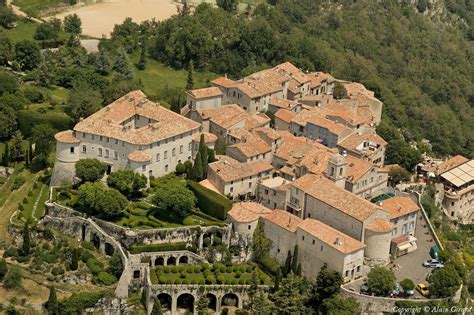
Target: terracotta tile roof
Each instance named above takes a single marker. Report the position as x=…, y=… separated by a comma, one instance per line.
x=304, y=116
x=223, y=81
x=356, y=140
x=285, y=115
x=229, y=115
x=256, y=120
x=316, y=160
x=306, y=182
x=139, y=156
x=205, y=92
x=208, y=137
x=283, y=103
x=206, y=183
x=353, y=108
x=111, y=120
x=380, y=226
x=283, y=219
x=274, y=182
x=245, y=212
x=350, y=117
x=450, y=164
x=267, y=132
x=66, y=136
x=229, y=169
x=291, y=71
x=356, y=168
x=333, y=127
x=319, y=77
x=327, y=192
x=399, y=206
x=332, y=237
x=251, y=145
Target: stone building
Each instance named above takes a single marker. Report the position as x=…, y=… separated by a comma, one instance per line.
x=244, y=217
x=130, y=133
x=365, y=145
x=273, y=192
x=210, y=97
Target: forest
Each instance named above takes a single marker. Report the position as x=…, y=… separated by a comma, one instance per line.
x=421, y=70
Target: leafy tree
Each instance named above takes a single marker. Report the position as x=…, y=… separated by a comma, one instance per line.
x=338, y=305
x=45, y=75
x=407, y=285
x=102, y=64
x=401, y=153
x=46, y=31
x=260, y=242
x=127, y=182
x=326, y=286
x=180, y=168
x=83, y=102
x=381, y=280
x=122, y=64
x=252, y=293
x=8, y=83
x=43, y=137
x=156, y=310
x=13, y=279
x=444, y=282
x=422, y=5
x=26, y=245
x=27, y=54
x=90, y=170
x=7, y=17
x=292, y=295
x=51, y=305
x=228, y=5
x=142, y=62
x=262, y=304
x=3, y=268
x=7, y=121
x=201, y=307
x=97, y=200
x=16, y=148
x=190, y=78
x=176, y=198
x=398, y=174
x=6, y=48
x=115, y=265
x=73, y=24
x=339, y=91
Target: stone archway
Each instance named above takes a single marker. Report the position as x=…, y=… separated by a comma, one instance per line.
x=165, y=300
x=230, y=299
x=183, y=260
x=95, y=239
x=212, y=301
x=159, y=261
x=109, y=249
x=136, y=274
x=185, y=302
x=171, y=261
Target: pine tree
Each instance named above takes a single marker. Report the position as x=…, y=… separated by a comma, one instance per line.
x=204, y=155
x=294, y=262
x=142, y=62
x=298, y=270
x=262, y=306
x=156, y=310
x=197, y=171
x=190, y=79
x=102, y=65
x=51, y=305
x=122, y=65
x=287, y=267
x=26, y=246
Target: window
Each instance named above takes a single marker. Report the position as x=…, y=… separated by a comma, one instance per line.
x=249, y=227
x=250, y=185
x=92, y=137
x=143, y=168
x=100, y=151
x=314, y=242
x=302, y=238
x=107, y=139
x=157, y=157
x=347, y=273
x=394, y=231
x=115, y=155
x=231, y=189
x=83, y=135
x=101, y=138
x=322, y=247
x=190, y=146
x=166, y=168
x=166, y=155
x=84, y=149
x=106, y=153
x=173, y=152
x=358, y=269
x=180, y=149
x=116, y=141
x=266, y=191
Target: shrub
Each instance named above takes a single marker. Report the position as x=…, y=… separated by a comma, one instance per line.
x=56, y=271
x=10, y=252
x=87, y=245
x=210, y=279
x=27, y=119
x=209, y=201
x=13, y=278
x=34, y=94
x=78, y=302
x=228, y=269
x=18, y=182
x=269, y=264
x=135, y=249
x=104, y=278
x=94, y=266
x=197, y=269
x=221, y=279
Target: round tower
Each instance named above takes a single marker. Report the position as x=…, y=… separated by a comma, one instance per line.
x=67, y=154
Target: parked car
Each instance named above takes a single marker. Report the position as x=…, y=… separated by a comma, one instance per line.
x=396, y=291
x=409, y=292
x=423, y=289
x=433, y=263
x=364, y=289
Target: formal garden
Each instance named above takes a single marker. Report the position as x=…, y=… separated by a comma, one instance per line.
x=217, y=273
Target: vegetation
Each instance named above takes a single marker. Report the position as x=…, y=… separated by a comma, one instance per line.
x=444, y=282
x=135, y=249
x=127, y=182
x=407, y=285
x=381, y=280
x=176, y=198
x=90, y=170
x=98, y=200
x=209, y=201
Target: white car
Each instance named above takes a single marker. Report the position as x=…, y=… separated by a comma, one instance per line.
x=433, y=263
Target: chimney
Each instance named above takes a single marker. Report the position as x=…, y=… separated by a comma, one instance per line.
x=338, y=242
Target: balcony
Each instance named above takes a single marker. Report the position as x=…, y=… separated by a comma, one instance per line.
x=294, y=206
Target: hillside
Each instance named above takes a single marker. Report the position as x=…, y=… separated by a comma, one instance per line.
x=418, y=63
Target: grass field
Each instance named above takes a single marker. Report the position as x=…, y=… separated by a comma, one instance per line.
x=37, y=8
x=34, y=209
x=23, y=30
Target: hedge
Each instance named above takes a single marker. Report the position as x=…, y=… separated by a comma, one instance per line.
x=136, y=249
x=209, y=201
x=27, y=119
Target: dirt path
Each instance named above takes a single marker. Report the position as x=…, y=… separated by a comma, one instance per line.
x=17, y=11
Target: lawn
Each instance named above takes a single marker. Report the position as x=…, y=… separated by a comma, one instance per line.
x=37, y=7
x=34, y=207
x=23, y=30
x=216, y=273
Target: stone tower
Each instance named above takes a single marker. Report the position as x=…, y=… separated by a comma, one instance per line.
x=337, y=170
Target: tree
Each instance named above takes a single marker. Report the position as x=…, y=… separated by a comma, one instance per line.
x=122, y=65
x=180, y=168
x=292, y=295
x=90, y=170
x=184, y=9
x=6, y=48
x=338, y=305
x=197, y=172
x=27, y=54
x=46, y=31
x=398, y=174
x=115, y=265
x=16, y=148
x=26, y=245
x=401, y=153
x=83, y=102
x=7, y=17
x=381, y=280
x=142, y=62
x=407, y=285
x=294, y=262
x=176, y=198
x=260, y=244
x=203, y=150
x=13, y=279
x=75, y=257
x=339, y=91
x=127, y=182
x=278, y=277
x=262, y=305
x=3, y=268
x=8, y=122
x=73, y=24
x=6, y=155
x=51, y=305
x=45, y=75
x=444, y=282
x=201, y=307
x=252, y=293
x=287, y=265
x=190, y=78
x=43, y=137
x=8, y=83
x=326, y=286
x=94, y=198
x=102, y=64
x=228, y=5
x=211, y=156
x=156, y=310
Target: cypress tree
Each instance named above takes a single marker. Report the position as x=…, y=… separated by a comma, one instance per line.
x=142, y=62
x=27, y=158
x=298, y=270
x=197, y=168
x=294, y=262
x=6, y=155
x=276, y=285
x=287, y=267
x=32, y=152
x=52, y=303
x=204, y=155
x=26, y=246
x=3, y=268
x=156, y=310
x=190, y=79
x=211, y=157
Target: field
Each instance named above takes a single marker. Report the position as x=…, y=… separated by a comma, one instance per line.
x=38, y=8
